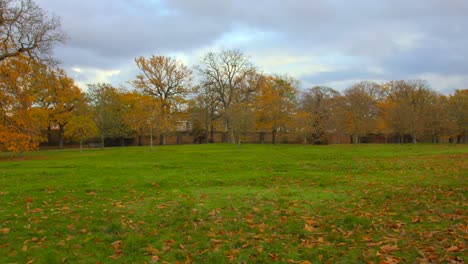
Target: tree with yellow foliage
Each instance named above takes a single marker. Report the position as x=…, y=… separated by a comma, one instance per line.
x=20, y=120
x=168, y=81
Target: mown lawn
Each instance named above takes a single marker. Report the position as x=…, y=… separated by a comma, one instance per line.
x=220, y=204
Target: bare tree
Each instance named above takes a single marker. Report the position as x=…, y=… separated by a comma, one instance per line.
x=27, y=29
x=231, y=77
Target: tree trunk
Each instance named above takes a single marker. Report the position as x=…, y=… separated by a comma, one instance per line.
x=102, y=141
x=273, y=137
x=151, y=139
x=356, y=138
x=179, y=138
x=122, y=142
x=232, y=138
x=414, y=139
x=211, y=134
x=162, y=139
x=49, y=136
x=60, y=136
x=81, y=145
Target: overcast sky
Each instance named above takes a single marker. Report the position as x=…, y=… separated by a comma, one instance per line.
x=320, y=42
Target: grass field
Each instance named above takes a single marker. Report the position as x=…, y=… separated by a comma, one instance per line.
x=220, y=204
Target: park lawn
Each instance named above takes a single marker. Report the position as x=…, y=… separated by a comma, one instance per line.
x=221, y=204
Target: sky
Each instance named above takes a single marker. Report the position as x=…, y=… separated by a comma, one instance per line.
x=335, y=43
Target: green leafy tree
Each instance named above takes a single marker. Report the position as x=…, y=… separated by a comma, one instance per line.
x=109, y=112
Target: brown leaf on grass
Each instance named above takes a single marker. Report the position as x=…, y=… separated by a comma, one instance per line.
x=117, y=246
x=36, y=210
x=162, y=206
x=320, y=258
x=309, y=228
x=389, y=260
x=389, y=248
x=188, y=258
x=203, y=196
x=453, y=249
x=373, y=244
x=5, y=231
x=155, y=259
x=28, y=200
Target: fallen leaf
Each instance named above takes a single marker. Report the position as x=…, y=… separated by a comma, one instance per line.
x=389, y=248
x=5, y=230
x=308, y=228
x=453, y=249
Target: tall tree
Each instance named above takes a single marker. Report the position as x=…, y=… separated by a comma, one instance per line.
x=437, y=117
x=20, y=120
x=276, y=103
x=204, y=110
x=406, y=107
x=28, y=30
x=109, y=112
x=141, y=114
x=231, y=77
x=168, y=81
x=358, y=109
x=319, y=102
x=458, y=110
x=60, y=97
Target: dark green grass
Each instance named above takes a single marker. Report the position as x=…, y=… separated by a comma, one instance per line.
x=220, y=203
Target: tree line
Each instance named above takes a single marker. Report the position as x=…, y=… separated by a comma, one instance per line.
x=225, y=93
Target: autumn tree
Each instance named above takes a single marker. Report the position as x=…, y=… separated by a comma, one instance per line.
x=320, y=103
x=80, y=128
x=276, y=103
x=142, y=113
x=108, y=112
x=458, y=111
x=20, y=120
x=26, y=29
x=232, y=78
x=168, y=81
x=358, y=109
x=406, y=106
x=60, y=97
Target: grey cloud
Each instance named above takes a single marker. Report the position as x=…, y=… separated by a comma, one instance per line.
x=401, y=37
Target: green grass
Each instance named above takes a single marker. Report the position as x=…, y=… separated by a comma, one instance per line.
x=220, y=204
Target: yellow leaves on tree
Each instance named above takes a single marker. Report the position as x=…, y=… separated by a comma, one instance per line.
x=20, y=120
x=167, y=81
x=275, y=103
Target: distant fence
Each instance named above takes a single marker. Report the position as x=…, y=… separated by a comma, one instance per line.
x=175, y=138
